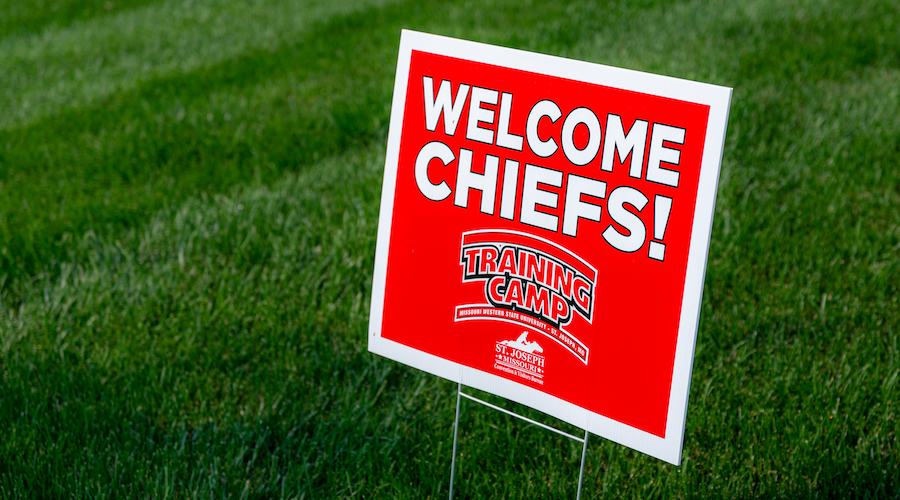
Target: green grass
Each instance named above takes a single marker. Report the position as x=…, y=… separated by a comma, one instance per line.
x=23, y=18
x=188, y=205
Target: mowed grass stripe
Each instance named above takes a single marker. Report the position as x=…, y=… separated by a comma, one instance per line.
x=790, y=43
x=280, y=259
x=81, y=64
x=27, y=18
x=254, y=116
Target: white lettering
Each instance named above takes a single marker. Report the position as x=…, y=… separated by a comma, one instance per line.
x=532, y=196
x=575, y=208
x=510, y=186
x=615, y=206
x=617, y=141
x=478, y=114
x=581, y=157
x=432, y=150
x=659, y=153
x=504, y=138
x=486, y=183
x=433, y=107
x=541, y=109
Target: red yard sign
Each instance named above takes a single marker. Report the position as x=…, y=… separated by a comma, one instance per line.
x=544, y=231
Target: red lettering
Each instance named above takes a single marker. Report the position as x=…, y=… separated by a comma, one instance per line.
x=494, y=289
x=535, y=267
x=537, y=299
x=488, y=264
x=582, y=293
x=562, y=279
x=471, y=255
x=560, y=308
x=507, y=261
x=514, y=293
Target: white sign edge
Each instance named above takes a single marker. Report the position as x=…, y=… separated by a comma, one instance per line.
x=718, y=99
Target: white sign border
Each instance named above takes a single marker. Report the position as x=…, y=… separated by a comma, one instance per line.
x=716, y=97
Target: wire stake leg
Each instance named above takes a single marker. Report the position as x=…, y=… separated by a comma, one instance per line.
x=581, y=472
x=456, y=434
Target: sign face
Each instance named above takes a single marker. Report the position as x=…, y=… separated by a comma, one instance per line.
x=544, y=231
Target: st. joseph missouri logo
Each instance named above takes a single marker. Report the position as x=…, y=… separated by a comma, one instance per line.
x=521, y=358
x=528, y=281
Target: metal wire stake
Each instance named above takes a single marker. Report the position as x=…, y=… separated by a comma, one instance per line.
x=580, y=473
x=456, y=433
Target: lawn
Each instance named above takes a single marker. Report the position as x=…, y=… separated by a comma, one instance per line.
x=189, y=195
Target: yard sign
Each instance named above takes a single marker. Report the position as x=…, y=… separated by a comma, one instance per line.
x=544, y=230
